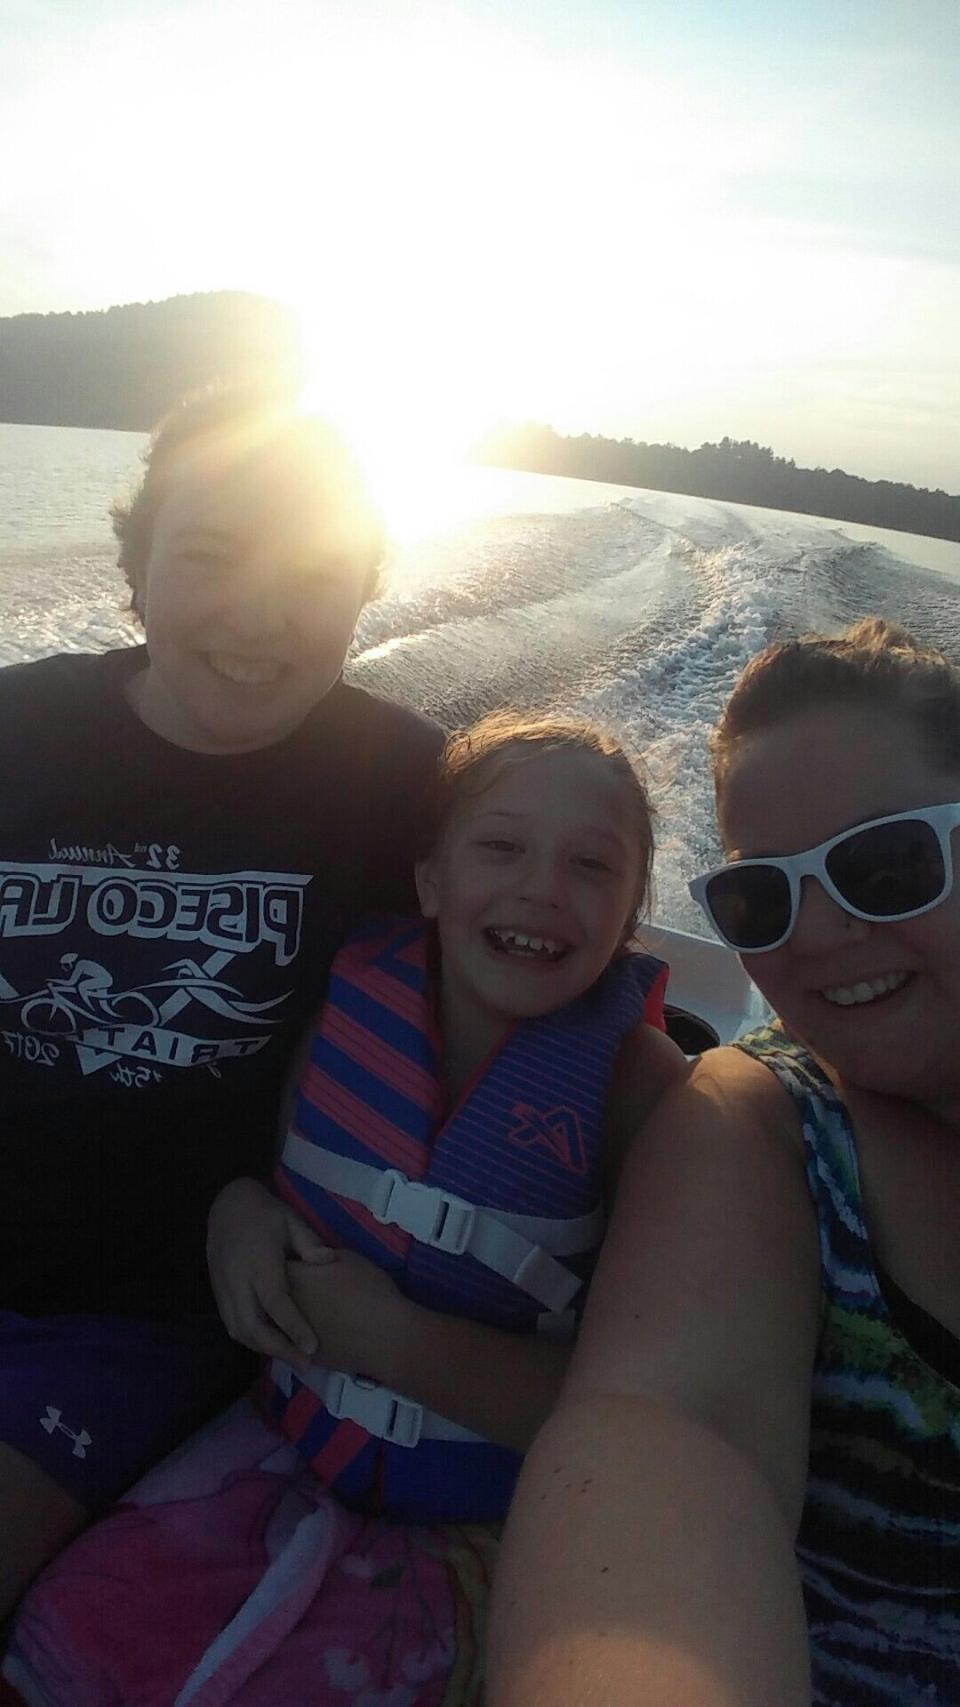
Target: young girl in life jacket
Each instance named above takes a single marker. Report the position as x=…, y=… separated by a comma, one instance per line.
x=471, y=1083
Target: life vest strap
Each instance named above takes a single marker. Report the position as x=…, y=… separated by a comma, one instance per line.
x=518, y=1247
x=381, y=1411
x=433, y=1217
x=561, y=1328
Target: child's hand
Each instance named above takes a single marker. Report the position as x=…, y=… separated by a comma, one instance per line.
x=250, y=1234
x=357, y=1313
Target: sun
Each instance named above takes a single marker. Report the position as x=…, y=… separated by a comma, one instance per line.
x=410, y=414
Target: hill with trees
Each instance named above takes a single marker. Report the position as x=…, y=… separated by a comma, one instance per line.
x=738, y=471
x=123, y=367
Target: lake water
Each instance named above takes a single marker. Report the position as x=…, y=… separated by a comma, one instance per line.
x=636, y=607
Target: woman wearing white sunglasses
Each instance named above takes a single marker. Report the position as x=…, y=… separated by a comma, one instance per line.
x=751, y=1491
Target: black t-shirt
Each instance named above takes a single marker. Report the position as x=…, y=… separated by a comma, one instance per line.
x=167, y=920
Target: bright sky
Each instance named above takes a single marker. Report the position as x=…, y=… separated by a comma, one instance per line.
x=670, y=220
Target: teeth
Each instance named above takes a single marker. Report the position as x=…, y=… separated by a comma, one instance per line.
x=518, y=940
x=252, y=672
x=853, y=995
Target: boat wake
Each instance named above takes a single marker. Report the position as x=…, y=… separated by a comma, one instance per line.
x=639, y=608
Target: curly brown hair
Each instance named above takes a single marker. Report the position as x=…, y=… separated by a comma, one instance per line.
x=237, y=423
x=875, y=664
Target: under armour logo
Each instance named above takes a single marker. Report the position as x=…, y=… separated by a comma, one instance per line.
x=80, y=1440
x=557, y=1131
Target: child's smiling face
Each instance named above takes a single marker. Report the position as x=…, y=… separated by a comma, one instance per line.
x=533, y=887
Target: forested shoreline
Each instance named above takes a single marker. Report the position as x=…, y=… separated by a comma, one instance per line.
x=738, y=471
x=122, y=367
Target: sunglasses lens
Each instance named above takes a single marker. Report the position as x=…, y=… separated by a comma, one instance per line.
x=889, y=868
x=750, y=905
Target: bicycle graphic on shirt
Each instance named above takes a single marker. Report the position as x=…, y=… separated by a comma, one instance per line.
x=85, y=998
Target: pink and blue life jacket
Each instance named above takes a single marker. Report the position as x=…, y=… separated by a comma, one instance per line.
x=494, y=1212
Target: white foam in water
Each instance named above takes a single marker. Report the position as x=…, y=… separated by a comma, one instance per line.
x=637, y=607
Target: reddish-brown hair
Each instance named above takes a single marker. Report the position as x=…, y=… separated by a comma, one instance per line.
x=875, y=664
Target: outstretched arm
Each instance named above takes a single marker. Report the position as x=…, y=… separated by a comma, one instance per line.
x=645, y=1564
x=656, y=1514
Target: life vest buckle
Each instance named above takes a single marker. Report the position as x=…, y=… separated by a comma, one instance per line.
x=380, y=1411
x=429, y=1215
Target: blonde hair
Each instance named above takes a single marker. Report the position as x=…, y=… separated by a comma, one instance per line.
x=875, y=664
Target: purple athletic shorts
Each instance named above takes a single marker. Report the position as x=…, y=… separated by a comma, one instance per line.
x=95, y=1400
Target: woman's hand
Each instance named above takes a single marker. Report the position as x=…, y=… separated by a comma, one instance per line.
x=250, y=1235
x=360, y=1318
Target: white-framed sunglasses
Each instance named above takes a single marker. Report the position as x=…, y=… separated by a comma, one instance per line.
x=888, y=868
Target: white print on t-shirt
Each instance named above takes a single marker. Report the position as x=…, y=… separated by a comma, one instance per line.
x=80, y=1003
x=158, y=856
x=235, y=910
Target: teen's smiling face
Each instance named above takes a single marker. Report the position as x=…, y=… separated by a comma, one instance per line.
x=533, y=888
x=250, y=604
x=878, y=1002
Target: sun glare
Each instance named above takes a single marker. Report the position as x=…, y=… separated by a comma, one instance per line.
x=410, y=419
x=472, y=229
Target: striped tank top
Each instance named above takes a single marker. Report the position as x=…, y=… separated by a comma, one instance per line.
x=879, y=1541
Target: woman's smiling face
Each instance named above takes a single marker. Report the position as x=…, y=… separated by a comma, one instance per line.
x=250, y=603
x=878, y=1002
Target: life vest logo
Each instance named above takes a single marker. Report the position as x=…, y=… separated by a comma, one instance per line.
x=557, y=1131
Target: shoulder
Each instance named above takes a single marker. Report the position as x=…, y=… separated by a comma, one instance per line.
x=648, y=1064
x=719, y=1158
x=734, y=1104
x=381, y=725
x=48, y=689
x=377, y=760
x=718, y=1162
x=738, y=1085
x=383, y=753
x=723, y=1093
x=42, y=677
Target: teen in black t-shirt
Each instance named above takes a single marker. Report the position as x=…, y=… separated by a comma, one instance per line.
x=187, y=830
